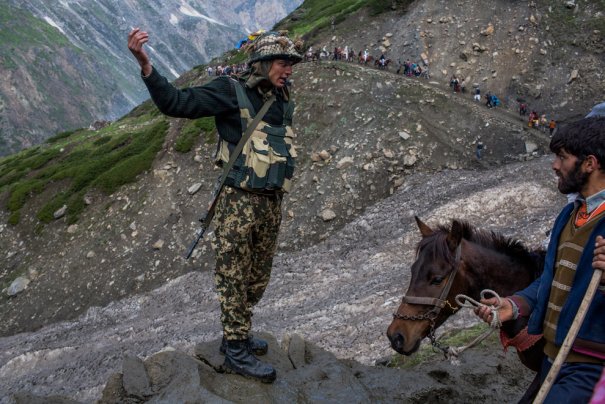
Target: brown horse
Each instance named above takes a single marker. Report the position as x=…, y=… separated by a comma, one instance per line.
x=463, y=260
x=370, y=59
x=380, y=66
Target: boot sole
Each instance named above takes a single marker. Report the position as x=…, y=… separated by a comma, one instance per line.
x=267, y=379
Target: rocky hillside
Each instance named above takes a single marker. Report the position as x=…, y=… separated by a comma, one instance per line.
x=375, y=148
x=549, y=54
x=65, y=64
x=338, y=294
x=362, y=133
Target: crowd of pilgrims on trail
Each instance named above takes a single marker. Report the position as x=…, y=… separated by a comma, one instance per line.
x=226, y=70
x=348, y=54
x=408, y=68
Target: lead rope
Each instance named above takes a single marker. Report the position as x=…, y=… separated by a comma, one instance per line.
x=464, y=301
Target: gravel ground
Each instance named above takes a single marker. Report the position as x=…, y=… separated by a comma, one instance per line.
x=338, y=294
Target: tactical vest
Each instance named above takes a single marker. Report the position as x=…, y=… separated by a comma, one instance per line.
x=266, y=162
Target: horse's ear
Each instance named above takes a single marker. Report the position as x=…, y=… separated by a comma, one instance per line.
x=455, y=235
x=424, y=229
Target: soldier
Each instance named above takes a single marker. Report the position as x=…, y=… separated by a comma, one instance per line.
x=248, y=211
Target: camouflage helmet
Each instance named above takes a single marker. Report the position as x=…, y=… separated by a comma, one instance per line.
x=274, y=45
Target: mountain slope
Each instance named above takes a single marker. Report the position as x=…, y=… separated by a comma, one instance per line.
x=339, y=294
x=361, y=133
x=78, y=68
x=46, y=82
x=375, y=148
x=350, y=114
x=551, y=54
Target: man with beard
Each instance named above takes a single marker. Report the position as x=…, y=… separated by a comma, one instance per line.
x=552, y=301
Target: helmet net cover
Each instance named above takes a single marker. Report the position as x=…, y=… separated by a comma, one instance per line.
x=274, y=45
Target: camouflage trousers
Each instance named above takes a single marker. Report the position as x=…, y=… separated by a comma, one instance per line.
x=246, y=226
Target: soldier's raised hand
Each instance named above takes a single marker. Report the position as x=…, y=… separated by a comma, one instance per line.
x=136, y=40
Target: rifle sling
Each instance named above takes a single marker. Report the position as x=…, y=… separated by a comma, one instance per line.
x=234, y=155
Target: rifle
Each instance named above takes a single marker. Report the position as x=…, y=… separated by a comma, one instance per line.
x=198, y=236
x=207, y=218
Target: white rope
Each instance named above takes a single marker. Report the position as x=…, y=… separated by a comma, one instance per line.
x=468, y=302
x=453, y=353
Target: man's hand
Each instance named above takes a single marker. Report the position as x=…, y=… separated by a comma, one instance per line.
x=598, y=262
x=136, y=40
x=505, y=311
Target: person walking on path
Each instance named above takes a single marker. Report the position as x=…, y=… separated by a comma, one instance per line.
x=551, y=126
x=477, y=96
x=479, y=150
x=552, y=301
x=248, y=209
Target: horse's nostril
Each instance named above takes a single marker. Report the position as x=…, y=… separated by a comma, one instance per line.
x=397, y=341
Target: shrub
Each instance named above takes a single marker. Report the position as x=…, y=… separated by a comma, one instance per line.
x=107, y=162
x=184, y=143
x=45, y=214
x=60, y=136
x=135, y=159
x=21, y=191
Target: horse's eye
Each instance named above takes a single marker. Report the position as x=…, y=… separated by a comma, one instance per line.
x=436, y=280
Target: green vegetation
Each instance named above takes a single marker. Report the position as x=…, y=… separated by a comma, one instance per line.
x=147, y=109
x=315, y=15
x=456, y=338
x=21, y=29
x=74, y=162
x=184, y=143
x=60, y=136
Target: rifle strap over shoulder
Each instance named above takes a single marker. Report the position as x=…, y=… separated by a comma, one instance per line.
x=234, y=155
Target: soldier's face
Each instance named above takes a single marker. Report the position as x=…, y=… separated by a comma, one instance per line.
x=279, y=72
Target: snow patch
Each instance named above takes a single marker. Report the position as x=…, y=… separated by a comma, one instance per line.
x=494, y=201
x=49, y=21
x=191, y=12
x=163, y=60
x=174, y=20
x=24, y=363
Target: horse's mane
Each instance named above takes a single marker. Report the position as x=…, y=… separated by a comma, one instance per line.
x=514, y=248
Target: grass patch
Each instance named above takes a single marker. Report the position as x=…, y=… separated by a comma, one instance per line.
x=184, y=143
x=317, y=15
x=235, y=57
x=314, y=15
x=60, y=136
x=20, y=29
x=107, y=162
x=147, y=109
x=21, y=192
x=454, y=338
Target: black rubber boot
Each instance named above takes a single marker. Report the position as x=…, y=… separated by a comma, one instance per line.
x=239, y=360
x=257, y=346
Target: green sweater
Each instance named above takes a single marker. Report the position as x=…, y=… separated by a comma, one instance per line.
x=216, y=98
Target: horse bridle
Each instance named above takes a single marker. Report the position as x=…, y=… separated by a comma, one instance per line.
x=437, y=303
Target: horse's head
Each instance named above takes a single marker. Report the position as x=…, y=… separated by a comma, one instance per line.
x=429, y=300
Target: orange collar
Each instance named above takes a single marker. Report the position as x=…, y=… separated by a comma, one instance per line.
x=583, y=217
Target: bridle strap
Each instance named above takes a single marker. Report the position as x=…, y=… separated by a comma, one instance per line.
x=450, y=279
x=427, y=301
x=440, y=302
x=437, y=303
